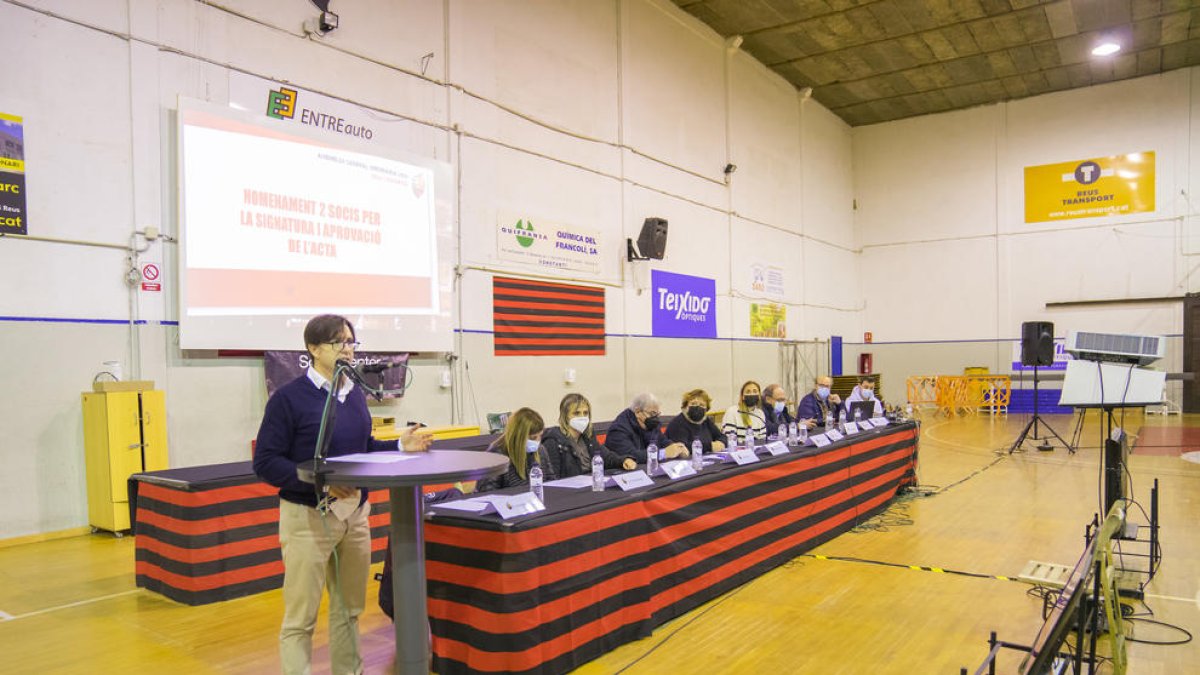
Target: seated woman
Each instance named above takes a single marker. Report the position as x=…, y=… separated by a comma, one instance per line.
x=521, y=441
x=746, y=417
x=571, y=445
x=694, y=423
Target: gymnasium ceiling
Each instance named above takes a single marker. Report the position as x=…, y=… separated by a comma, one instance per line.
x=871, y=61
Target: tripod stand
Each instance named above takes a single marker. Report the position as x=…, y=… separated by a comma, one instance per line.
x=1033, y=424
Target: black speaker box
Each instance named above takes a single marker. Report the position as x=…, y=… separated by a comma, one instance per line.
x=1037, y=343
x=652, y=241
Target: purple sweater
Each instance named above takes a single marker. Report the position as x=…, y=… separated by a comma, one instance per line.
x=288, y=435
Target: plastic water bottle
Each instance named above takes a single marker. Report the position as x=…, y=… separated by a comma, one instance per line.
x=828, y=420
x=842, y=421
x=782, y=434
x=731, y=440
x=697, y=454
x=802, y=434
x=597, y=473
x=857, y=415
x=652, y=459
x=793, y=437
x=535, y=482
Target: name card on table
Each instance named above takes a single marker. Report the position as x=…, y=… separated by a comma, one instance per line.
x=522, y=504
x=632, y=480
x=879, y=422
x=820, y=440
x=834, y=435
x=744, y=456
x=678, y=469
x=777, y=448
x=852, y=428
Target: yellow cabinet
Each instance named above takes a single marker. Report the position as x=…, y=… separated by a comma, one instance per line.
x=124, y=432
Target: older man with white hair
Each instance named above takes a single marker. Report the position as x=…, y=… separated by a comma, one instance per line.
x=638, y=426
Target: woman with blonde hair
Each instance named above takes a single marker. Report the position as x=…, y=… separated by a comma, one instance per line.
x=521, y=441
x=746, y=418
x=572, y=444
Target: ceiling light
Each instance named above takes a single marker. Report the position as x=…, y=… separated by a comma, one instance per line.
x=1106, y=49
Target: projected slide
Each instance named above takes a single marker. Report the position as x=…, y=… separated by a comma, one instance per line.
x=284, y=225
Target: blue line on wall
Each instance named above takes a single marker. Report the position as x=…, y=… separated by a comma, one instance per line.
x=59, y=319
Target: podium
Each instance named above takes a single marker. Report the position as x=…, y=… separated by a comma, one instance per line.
x=404, y=479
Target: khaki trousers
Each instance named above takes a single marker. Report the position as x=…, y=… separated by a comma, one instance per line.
x=309, y=541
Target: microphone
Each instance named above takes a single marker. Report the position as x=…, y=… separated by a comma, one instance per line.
x=380, y=367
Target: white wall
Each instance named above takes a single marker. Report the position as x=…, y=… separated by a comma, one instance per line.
x=946, y=254
x=598, y=114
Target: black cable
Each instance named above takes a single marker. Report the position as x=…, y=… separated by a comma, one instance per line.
x=1167, y=643
x=687, y=623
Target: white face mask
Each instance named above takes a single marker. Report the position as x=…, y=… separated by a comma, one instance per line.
x=868, y=394
x=531, y=445
x=579, y=424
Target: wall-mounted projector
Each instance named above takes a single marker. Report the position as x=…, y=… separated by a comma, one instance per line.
x=1115, y=347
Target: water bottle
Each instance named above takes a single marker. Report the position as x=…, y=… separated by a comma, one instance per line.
x=857, y=415
x=793, y=436
x=782, y=433
x=731, y=440
x=828, y=420
x=802, y=435
x=597, y=473
x=842, y=421
x=535, y=482
x=652, y=459
x=697, y=454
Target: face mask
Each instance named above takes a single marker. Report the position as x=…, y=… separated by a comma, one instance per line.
x=695, y=413
x=868, y=394
x=778, y=407
x=579, y=424
x=531, y=445
x=750, y=400
x=652, y=422
x=823, y=392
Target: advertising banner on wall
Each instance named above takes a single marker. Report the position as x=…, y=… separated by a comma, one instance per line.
x=683, y=305
x=315, y=111
x=768, y=320
x=547, y=244
x=1090, y=188
x=767, y=279
x=13, y=218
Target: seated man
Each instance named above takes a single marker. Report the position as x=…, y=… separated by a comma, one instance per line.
x=774, y=406
x=636, y=427
x=865, y=391
x=818, y=403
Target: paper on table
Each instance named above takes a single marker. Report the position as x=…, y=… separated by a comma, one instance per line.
x=372, y=457
x=575, y=482
x=473, y=505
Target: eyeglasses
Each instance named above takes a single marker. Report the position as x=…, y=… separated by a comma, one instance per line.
x=341, y=344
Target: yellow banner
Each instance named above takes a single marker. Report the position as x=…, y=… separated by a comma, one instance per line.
x=768, y=319
x=16, y=165
x=1090, y=188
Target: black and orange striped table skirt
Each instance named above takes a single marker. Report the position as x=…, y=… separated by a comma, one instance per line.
x=211, y=533
x=550, y=592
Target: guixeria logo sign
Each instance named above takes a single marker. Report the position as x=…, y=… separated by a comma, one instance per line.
x=524, y=233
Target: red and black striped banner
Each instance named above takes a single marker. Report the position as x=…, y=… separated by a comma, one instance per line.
x=539, y=318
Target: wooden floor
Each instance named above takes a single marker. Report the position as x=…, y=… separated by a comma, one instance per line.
x=71, y=605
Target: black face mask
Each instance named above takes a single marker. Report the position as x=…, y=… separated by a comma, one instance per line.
x=695, y=413
x=750, y=400
x=652, y=423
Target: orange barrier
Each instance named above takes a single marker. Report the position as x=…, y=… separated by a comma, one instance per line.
x=955, y=394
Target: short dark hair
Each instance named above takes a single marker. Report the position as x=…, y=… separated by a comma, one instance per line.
x=325, y=328
x=866, y=379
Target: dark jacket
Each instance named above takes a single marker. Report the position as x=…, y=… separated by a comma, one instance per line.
x=563, y=460
x=510, y=477
x=627, y=438
x=682, y=430
x=773, y=421
x=814, y=408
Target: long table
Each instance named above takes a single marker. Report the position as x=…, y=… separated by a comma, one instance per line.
x=546, y=593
